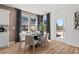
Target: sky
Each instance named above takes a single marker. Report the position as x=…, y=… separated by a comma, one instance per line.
x=60, y=22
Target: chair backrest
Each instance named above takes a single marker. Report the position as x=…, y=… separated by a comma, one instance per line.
x=22, y=36
x=46, y=37
x=29, y=40
x=45, y=33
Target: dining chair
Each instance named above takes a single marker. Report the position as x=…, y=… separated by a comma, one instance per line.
x=44, y=40
x=44, y=35
x=22, y=39
x=29, y=40
x=47, y=38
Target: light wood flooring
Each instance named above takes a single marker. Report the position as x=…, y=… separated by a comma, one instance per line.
x=55, y=47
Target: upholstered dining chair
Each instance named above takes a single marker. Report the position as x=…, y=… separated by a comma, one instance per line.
x=47, y=38
x=44, y=40
x=22, y=39
x=29, y=40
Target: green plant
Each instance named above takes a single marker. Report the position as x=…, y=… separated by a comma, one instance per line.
x=42, y=26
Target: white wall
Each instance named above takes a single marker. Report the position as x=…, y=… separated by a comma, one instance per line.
x=67, y=13
x=12, y=22
x=4, y=17
x=72, y=35
x=4, y=20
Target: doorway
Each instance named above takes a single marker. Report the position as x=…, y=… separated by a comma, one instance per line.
x=60, y=30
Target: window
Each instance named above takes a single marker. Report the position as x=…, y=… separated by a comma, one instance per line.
x=33, y=23
x=24, y=23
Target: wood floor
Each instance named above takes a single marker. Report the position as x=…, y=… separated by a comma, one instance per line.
x=54, y=47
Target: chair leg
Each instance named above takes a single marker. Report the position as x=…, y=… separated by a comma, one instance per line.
x=45, y=44
x=33, y=49
x=48, y=43
x=25, y=48
x=20, y=44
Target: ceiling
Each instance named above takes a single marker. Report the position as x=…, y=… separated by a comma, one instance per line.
x=41, y=8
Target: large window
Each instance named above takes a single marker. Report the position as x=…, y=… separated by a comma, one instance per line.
x=45, y=23
x=28, y=23
x=24, y=23
x=33, y=23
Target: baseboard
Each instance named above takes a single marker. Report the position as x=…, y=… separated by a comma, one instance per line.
x=69, y=43
x=11, y=42
x=8, y=44
x=75, y=45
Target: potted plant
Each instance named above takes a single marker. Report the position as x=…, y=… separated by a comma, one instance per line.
x=42, y=27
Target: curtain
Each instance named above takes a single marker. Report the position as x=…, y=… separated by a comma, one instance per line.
x=48, y=23
x=18, y=19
